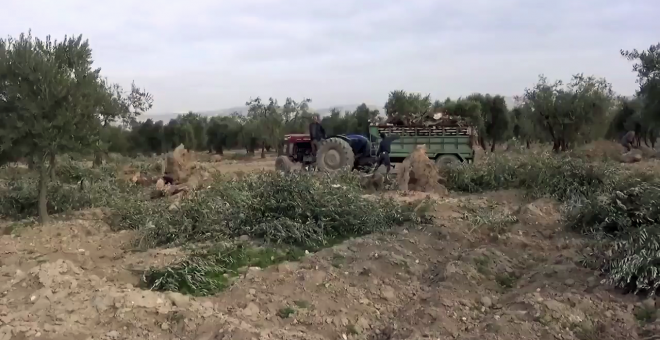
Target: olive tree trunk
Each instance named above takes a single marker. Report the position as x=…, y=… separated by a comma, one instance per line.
x=44, y=177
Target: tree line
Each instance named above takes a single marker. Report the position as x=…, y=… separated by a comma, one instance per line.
x=262, y=128
x=563, y=113
x=53, y=100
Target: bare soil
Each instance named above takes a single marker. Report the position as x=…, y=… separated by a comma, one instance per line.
x=449, y=280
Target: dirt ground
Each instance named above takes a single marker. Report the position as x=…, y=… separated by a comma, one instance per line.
x=451, y=280
x=454, y=279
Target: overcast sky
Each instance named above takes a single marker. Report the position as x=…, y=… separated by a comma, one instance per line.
x=211, y=54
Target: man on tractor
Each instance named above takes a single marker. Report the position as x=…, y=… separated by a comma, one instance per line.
x=316, y=133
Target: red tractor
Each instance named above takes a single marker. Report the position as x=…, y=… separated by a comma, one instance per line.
x=298, y=147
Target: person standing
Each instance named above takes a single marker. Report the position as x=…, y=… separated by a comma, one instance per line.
x=628, y=140
x=316, y=133
x=383, y=153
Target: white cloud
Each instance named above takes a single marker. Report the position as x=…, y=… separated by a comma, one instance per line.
x=204, y=55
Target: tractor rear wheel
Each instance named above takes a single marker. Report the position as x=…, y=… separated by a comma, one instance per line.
x=334, y=154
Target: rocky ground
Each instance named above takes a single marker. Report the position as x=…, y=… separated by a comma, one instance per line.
x=491, y=267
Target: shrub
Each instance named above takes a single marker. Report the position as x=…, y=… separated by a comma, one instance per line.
x=627, y=223
x=210, y=270
x=298, y=209
x=20, y=195
x=71, y=172
x=287, y=213
x=540, y=174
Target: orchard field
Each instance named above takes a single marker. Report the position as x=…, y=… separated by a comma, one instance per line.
x=550, y=234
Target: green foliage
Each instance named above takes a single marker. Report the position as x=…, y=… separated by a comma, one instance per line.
x=574, y=113
x=50, y=94
x=20, y=197
x=350, y=122
x=540, y=174
x=297, y=115
x=288, y=213
x=627, y=117
x=209, y=270
x=626, y=220
x=297, y=209
x=72, y=172
x=262, y=128
x=55, y=102
x=75, y=187
x=408, y=108
x=647, y=102
x=469, y=110
x=495, y=117
x=222, y=132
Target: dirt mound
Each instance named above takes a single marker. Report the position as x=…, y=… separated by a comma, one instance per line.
x=284, y=164
x=608, y=150
x=419, y=173
x=632, y=156
x=180, y=177
x=137, y=177
x=648, y=152
x=61, y=297
x=601, y=150
x=177, y=164
x=143, y=180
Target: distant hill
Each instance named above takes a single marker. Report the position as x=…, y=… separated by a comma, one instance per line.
x=244, y=109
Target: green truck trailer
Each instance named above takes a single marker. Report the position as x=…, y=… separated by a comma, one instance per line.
x=444, y=144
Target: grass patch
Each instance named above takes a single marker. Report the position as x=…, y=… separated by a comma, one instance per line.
x=506, y=280
x=495, y=221
x=338, y=260
x=210, y=270
x=302, y=304
x=481, y=263
x=286, y=312
x=646, y=315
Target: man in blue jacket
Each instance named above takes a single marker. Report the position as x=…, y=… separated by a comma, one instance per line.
x=383, y=153
x=360, y=146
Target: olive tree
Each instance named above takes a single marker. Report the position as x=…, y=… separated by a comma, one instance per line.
x=49, y=99
x=647, y=66
x=408, y=108
x=267, y=121
x=296, y=115
x=117, y=105
x=572, y=113
x=495, y=117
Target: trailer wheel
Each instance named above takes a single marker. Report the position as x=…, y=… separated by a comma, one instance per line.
x=446, y=160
